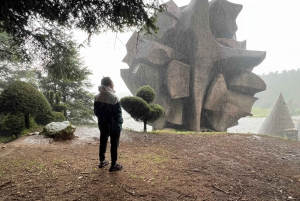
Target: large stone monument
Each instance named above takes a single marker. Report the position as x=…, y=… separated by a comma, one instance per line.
x=202, y=75
x=279, y=121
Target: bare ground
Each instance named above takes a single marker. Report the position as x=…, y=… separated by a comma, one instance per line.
x=156, y=167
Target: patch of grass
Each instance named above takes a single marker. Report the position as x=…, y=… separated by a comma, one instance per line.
x=1, y=172
x=16, y=162
x=174, y=132
x=34, y=164
x=6, y=139
x=32, y=129
x=58, y=162
x=260, y=112
x=155, y=158
x=134, y=176
x=179, y=132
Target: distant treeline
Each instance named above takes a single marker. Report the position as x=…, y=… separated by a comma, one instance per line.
x=286, y=82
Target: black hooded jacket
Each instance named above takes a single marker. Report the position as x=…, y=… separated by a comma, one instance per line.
x=107, y=108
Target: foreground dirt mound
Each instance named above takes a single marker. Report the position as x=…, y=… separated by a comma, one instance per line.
x=156, y=167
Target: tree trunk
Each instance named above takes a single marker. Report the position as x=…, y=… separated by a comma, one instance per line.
x=145, y=125
x=27, y=120
x=64, y=100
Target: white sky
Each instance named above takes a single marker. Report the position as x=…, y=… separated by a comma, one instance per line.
x=267, y=25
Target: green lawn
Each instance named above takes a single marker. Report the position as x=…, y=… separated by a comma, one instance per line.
x=260, y=112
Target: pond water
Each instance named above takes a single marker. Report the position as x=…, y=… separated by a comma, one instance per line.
x=246, y=125
x=252, y=125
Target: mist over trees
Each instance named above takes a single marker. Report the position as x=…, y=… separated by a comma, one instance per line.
x=286, y=82
x=40, y=31
x=38, y=48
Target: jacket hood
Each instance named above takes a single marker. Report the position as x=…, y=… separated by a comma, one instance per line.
x=105, y=89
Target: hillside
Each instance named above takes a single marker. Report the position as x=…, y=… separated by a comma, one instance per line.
x=286, y=82
x=160, y=166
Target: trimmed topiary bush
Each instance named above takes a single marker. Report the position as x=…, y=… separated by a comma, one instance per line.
x=21, y=97
x=136, y=107
x=14, y=123
x=155, y=113
x=146, y=93
x=46, y=118
x=139, y=106
x=58, y=116
x=43, y=118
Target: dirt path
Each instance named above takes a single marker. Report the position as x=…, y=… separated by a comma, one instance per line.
x=156, y=167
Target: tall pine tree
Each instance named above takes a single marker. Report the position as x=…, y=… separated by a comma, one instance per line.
x=74, y=92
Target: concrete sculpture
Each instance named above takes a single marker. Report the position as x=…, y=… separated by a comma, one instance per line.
x=199, y=71
x=279, y=121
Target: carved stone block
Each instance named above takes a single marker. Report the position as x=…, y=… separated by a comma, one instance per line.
x=178, y=79
x=216, y=94
x=247, y=83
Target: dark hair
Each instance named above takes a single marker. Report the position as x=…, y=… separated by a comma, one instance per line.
x=106, y=81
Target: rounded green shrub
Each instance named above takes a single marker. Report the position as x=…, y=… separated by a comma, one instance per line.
x=44, y=118
x=14, y=123
x=156, y=111
x=58, y=116
x=146, y=93
x=136, y=107
x=139, y=106
x=59, y=108
x=23, y=97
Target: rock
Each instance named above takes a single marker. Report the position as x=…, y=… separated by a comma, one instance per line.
x=175, y=115
x=59, y=130
x=34, y=133
x=291, y=133
x=178, y=79
x=256, y=137
x=216, y=94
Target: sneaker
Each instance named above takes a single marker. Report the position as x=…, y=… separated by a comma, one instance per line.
x=103, y=164
x=116, y=167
